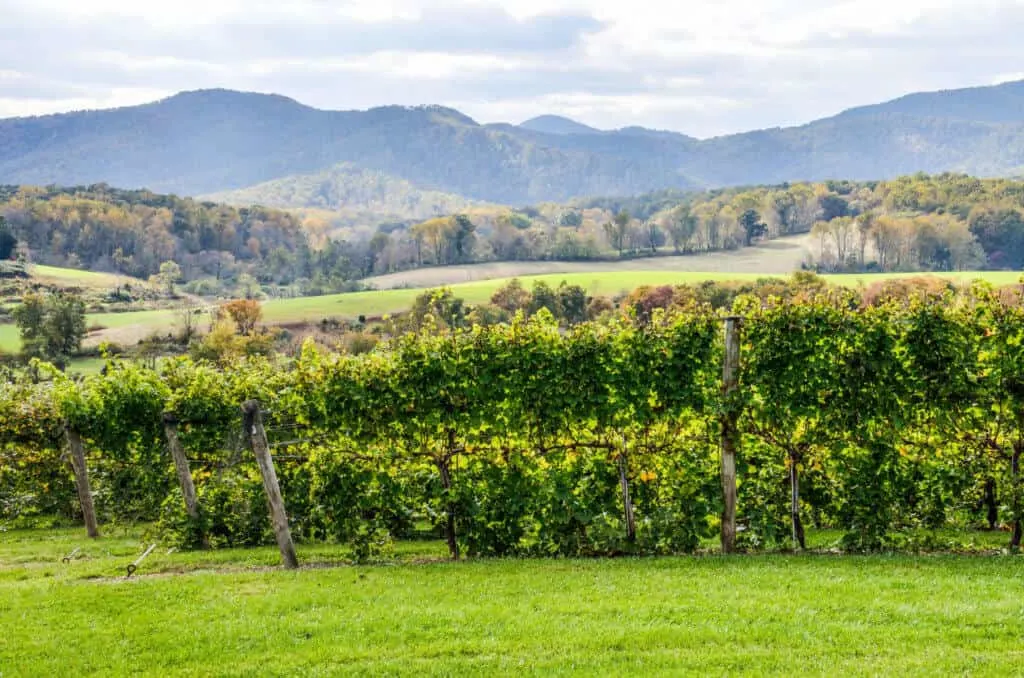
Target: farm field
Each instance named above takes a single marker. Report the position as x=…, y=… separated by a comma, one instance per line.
x=231, y=613
x=131, y=326
x=69, y=276
x=779, y=256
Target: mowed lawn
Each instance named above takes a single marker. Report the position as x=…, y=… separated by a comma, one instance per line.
x=129, y=327
x=227, y=614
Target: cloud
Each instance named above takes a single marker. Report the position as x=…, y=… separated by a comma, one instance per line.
x=705, y=67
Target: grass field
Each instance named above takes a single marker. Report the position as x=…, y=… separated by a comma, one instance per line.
x=772, y=257
x=126, y=328
x=70, y=276
x=229, y=613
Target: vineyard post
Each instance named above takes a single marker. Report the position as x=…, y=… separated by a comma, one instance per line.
x=623, y=463
x=444, y=469
x=188, y=488
x=730, y=431
x=82, y=480
x=253, y=422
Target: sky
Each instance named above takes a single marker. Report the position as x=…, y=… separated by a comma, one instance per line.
x=699, y=67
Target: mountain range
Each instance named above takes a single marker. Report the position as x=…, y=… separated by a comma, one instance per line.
x=217, y=141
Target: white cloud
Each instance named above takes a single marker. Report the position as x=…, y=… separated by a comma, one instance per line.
x=703, y=67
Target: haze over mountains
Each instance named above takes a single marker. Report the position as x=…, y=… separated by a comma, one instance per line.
x=216, y=141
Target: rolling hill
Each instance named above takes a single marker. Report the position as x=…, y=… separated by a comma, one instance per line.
x=212, y=141
x=346, y=188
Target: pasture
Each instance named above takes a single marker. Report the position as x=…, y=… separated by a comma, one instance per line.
x=54, y=275
x=129, y=327
x=771, y=257
x=231, y=613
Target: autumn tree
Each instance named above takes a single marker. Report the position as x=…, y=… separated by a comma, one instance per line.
x=245, y=313
x=617, y=230
x=511, y=297
x=681, y=224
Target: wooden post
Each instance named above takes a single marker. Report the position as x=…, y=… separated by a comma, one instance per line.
x=82, y=481
x=444, y=470
x=730, y=431
x=794, y=502
x=253, y=421
x=188, y=488
x=626, y=501
x=1015, y=537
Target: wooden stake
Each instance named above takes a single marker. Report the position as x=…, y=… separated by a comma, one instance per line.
x=253, y=421
x=794, y=503
x=730, y=431
x=188, y=488
x=82, y=481
x=449, y=527
x=626, y=502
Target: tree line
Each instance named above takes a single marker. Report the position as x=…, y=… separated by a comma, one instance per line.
x=915, y=223
x=135, y=232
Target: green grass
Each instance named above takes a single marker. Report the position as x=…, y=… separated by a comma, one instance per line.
x=71, y=276
x=380, y=302
x=9, y=341
x=227, y=614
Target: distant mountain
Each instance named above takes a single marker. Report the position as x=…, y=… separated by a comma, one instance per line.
x=218, y=140
x=556, y=124
x=348, y=188
x=1000, y=104
x=214, y=140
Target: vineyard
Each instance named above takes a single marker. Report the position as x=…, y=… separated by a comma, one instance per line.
x=881, y=421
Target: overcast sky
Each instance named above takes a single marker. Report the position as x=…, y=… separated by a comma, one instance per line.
x=699, y=67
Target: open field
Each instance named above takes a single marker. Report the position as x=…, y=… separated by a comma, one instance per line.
x=228, y=613
x=69, y=276
x=127, y=328
x=779, y=256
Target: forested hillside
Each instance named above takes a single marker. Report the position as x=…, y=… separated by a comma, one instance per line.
x=133, y=232
x=920, y=222
x=350, y=191
x=217, y=140
x=932, y=223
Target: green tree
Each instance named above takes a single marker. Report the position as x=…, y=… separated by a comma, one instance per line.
x=169, y=274
x=544, y=297
x=8, y=241
x=752, y=226
x=462, y=238
x=572, y=302
x=445, y=309
x=52, y=327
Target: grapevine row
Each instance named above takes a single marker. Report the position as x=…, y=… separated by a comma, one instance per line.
x=529, y=439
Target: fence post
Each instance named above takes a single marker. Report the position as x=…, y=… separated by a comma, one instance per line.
x=730, y=432
x=188, y=488
x=82, y=480
x=627, y=502
x=253, y=422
